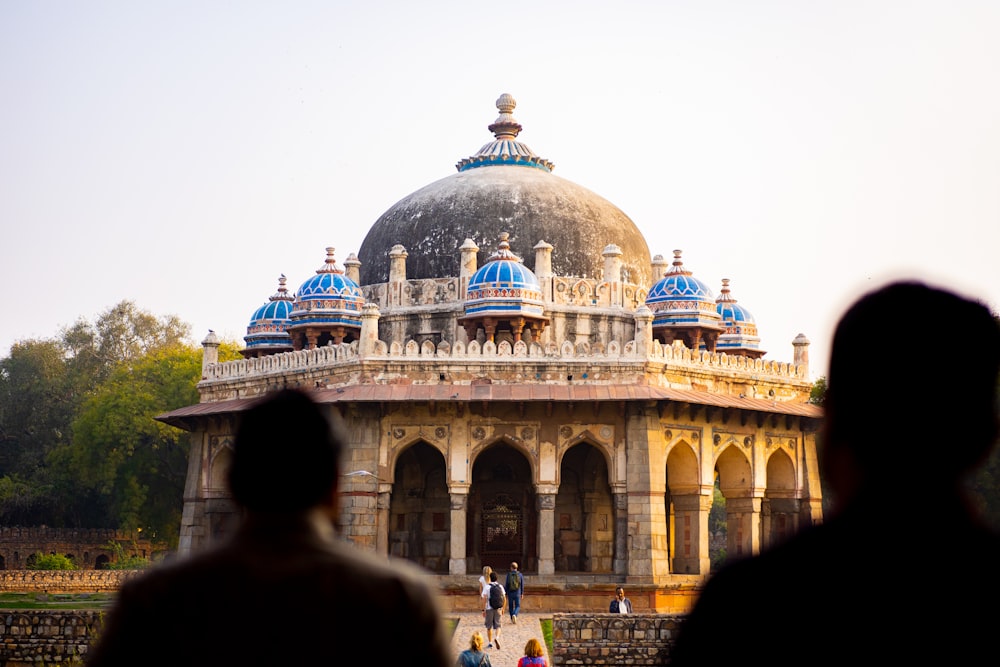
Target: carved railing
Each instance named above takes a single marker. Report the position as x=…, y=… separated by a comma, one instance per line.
x=412, y=351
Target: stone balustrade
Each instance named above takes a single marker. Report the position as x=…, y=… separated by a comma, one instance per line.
x=413, y=352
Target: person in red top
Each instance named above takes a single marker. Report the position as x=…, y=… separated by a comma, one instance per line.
x=533, y=655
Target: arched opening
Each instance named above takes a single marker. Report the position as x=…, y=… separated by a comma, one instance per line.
x=420, y=510
x=101, y=562
x=502, y=518
x=682, y=505
x=780, y=509
x=584, y=513
x=735, y=484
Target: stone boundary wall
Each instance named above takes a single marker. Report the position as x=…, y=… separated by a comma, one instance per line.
x=63, y=581
x=613, y=639
x=33, y=637
x=29, y=638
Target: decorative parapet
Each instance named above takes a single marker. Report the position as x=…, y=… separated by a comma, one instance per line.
x=332, y=356
x=565, y=291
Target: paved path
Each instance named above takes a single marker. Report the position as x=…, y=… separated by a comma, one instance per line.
x=513, y=637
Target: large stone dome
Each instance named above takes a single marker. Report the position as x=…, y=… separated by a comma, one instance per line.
x=504, y=188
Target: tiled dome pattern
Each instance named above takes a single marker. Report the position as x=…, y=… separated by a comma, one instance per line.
x=268, y=328
x=504, y=286
x=680, y=299
x=328, y=298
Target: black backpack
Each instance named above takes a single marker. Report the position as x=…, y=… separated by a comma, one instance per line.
x=496, y=596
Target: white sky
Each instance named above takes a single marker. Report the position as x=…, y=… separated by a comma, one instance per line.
x=184, y=154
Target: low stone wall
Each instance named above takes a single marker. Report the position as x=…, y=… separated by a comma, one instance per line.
x=32, y=638
x=64, y=581
x=613, y=639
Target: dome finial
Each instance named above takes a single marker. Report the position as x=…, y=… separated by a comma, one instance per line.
x=677, y=268
x=330, y=265
x=505, y=127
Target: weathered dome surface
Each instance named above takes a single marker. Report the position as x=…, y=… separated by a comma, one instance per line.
x=496, y=192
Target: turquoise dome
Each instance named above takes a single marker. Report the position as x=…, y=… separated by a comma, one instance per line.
x=268, y=328
x=680, y=299
x=740, y=335
x=504, y=286
x=328, y=298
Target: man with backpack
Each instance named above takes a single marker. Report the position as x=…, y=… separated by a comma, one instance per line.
x=515, y=588
x=496, y=599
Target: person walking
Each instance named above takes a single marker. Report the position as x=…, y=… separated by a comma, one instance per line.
x=620, y=604
x=911, y=410
x=484, y=580
x=284, y=566
x=534, y=655
x=495, y=603
x=515, y=589
x=474, y=656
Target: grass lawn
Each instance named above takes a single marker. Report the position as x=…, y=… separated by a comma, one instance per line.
x=55, y=601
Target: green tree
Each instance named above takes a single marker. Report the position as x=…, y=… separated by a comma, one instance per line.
x=37, y=404
x=136, y=464
x=51, y=562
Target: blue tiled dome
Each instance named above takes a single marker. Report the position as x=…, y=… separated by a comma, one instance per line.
x=504, y=286
x=328, y=298
x=268, y=328
x=740, y=335
x=680, y=299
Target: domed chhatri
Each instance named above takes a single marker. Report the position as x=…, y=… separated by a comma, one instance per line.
x=504, y=187
x=503, y=295
x=740, y=335
x=267, y=332
x=327, y=308
x=684, y=309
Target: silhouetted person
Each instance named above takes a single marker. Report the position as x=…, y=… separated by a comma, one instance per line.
x=903, y=572
x=285, y=589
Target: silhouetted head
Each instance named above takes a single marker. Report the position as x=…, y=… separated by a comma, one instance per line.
x=493, y=576
x=912, y=385
x=285, y=455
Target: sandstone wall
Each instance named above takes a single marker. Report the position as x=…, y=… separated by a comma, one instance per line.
x=613, y=639
x=64, y=581
x=31, y=638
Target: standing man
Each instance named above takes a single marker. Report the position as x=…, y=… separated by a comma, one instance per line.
x=621, y=604
x=285, y=589
x=515, y=589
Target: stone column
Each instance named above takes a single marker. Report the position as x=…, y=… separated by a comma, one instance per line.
x=800, y=355
x=382, y=520
x=742, y=526
x=459, y=503
x=397, y=275
x=369, y=330
x=646, y=480
x=210, y=351
x=543, y=268
x=691, y=539
x=352, y=268
x=620, y=501
x=546, y=504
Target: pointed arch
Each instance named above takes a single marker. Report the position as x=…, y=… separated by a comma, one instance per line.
x=584, y=511
x=502, y=515
x=780, y=510
x=419, y=516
